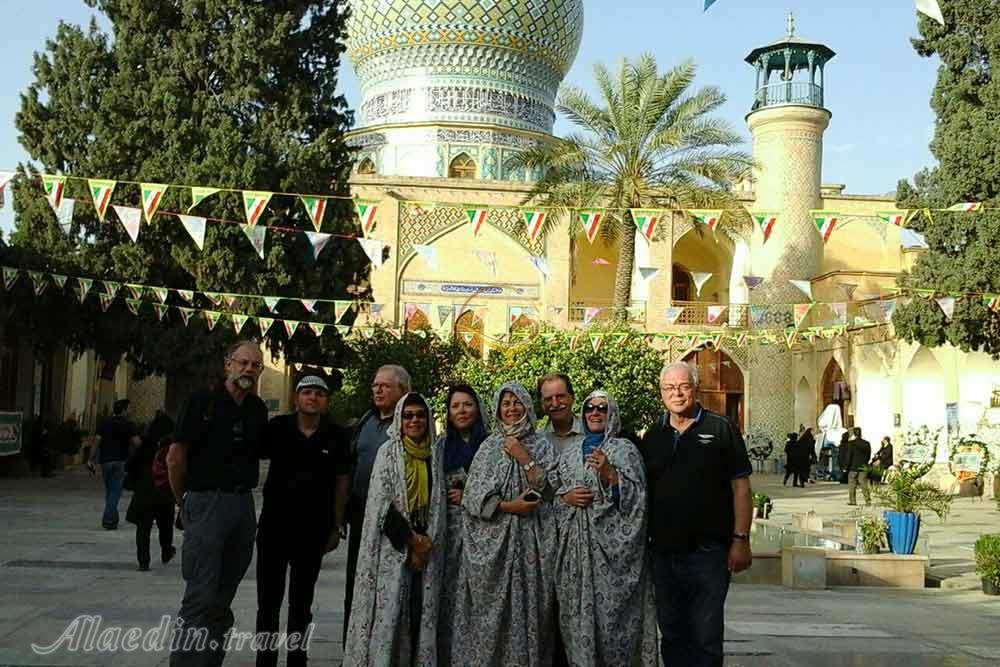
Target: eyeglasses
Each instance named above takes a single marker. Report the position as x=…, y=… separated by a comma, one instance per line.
x=684, y=388
x=247, y=363
x=413, y=416
x=603, y=409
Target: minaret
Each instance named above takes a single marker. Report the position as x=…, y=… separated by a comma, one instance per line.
x=787, y=122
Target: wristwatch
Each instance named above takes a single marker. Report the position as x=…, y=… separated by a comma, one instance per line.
x=528, y=466
x=742, y=537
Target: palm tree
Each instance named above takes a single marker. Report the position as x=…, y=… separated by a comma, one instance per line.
x=648, y=144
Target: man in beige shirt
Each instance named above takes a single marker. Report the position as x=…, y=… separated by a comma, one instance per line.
x=564, y=427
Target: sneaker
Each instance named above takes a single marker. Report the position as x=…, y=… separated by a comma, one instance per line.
x=168, y=555
x=143, y=568
x=110, y=526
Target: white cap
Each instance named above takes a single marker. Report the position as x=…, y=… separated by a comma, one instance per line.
x=312, y=381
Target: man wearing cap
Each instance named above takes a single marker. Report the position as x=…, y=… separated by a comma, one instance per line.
x=305, y=502
x=116, y=438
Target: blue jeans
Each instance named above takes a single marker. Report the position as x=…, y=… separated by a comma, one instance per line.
x=113, y=473
x=691, y=593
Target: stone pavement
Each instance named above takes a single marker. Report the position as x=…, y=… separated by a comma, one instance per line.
x=56, y=564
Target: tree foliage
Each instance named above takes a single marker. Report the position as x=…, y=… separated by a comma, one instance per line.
x=964, y=249
x=223, y=93
x=648, y=143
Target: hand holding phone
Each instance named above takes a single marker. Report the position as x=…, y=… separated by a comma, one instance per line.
x=532, y=496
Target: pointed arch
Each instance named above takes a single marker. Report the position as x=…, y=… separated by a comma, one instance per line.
x=721, y=383
x=469, y=332
x=462, y=166
x=367, y=167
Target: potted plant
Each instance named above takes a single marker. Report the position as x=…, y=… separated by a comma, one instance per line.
x=870, y=534
x=762, y=505
x=988, y=563
x=905, y=496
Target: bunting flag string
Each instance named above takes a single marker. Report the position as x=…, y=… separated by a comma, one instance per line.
x=477, y=217
x=646, y=221
x=315, y=208
x=318, y=241
x=708, y=218
x=54, y=187
x=152, y=195
x=100, y=193
x=199, y=194
x=825, y=222
x=591, y=221
x=254, y=203
x=131, y=219
x=257, y=236
x=765, y=221
x=195, y=227
x=366, y=214
x=534, y=221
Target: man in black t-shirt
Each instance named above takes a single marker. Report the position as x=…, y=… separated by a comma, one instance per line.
x=305, y=502
x=698, y=478
x=116, y=438
x=213, y=467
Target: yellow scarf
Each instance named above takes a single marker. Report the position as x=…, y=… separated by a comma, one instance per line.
x=418, y=487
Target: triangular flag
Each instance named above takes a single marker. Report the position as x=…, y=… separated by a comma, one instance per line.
x=366, y=214
x=804, y=286
x=929, y=8
x=106, y=300
x=340, y=309
x=600, y=261
x=195, y=227
x=161, y=310
x=214, y=297
x=947, y=304
x=161, y=293
x=100, y=192
x=9, y=277
x=54, y=187
x=130, y=218
x=111, y=287
x=591, y=221
x=825, y=222
x=753, y=282
x=647, y=272
x=848, y=289
x=839, y=312
x=185, y=314
x=888, y=307
x=541, y=265
x=714, y=313
x=264, y=323
x=309, y=304
x=136, y=290
x=467, y=336
x=317, y=328
x=152, y=195
x=271, y=302
x=589, y=314
x=86, y=284
x=765, y=221
x=488, y=258
x=966, y=207
x=199, y=195
x=65, y=213
x=477, y=217
x=429, y=254
x=254, y=203
x=741, y=339
x=290, y=327
x=257, y=236
x=59, y=279
x=444, y=315
x=897, y=218
x=230, y=299
x=645, y=221
x=374, y=249
x=790, y=336
x=133, y=305
x=574, y=341
x=318, y=241
x=673, y=313
x=39, y=281
x=992, y=301
x=81, y=293
x=315, y=207
x=708, y=218
x=211, y=318
x=238, y=321
x=595, y=341
x=699, y=278
x=534, y=220
x=186, y=294
x=800, y=312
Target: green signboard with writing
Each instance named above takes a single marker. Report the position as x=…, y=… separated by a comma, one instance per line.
x=10, y=433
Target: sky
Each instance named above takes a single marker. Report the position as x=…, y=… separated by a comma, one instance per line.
x=877, y=88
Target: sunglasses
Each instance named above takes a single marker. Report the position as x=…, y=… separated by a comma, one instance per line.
x=411, y=416
x=596, y=408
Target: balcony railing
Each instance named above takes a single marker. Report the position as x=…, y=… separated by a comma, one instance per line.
x=636, y=312
x=790, y=92
x=695, y=313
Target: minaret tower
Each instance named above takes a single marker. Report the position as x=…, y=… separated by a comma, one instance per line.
x=787, y=122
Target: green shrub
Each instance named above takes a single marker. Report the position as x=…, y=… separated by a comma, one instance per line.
x=988, y=558
x=903, y=491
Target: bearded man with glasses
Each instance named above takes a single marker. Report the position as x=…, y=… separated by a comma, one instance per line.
x=700, y=507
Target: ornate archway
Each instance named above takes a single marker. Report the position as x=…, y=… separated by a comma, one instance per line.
x=721, y=382
x=835, y=389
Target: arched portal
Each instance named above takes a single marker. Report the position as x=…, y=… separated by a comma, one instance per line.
x=721, y=382
x=682, y=290
x=924, y=396
x=835, y=389
x=469, y=332
x=805, y=406
x=366, y=167
x=462, y=166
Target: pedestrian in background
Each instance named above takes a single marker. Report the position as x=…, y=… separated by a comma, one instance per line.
x=860, y=452
x=149, y=504
x=116, y=438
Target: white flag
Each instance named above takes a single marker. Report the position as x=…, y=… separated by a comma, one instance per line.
x=130, y=218
x=195, y=226
x=930, y=8
x=65, y=212
x=429, y=253
x=803, y=286
x=257, y=235
x=647, y=272
x=541, y=265
x=318, y=241
x=373, y=248
x=947, y=304
x=699, y=279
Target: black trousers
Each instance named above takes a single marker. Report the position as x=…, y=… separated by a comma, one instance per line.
x=164, y=519
x=282, y=554
x=355, y=521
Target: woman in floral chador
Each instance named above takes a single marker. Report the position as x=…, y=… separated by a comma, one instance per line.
x=394, y=613
x=606, y=610
x=506, y=605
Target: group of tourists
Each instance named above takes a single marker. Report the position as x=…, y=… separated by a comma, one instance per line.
x=495, y=542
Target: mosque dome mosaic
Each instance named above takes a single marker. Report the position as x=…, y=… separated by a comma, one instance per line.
x=478, y=62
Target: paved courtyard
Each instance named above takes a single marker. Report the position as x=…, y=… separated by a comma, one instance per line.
x=56, y=564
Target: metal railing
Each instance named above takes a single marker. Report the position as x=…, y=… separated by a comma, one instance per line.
x=695, y=313
x=578, y=311
x=790, y=92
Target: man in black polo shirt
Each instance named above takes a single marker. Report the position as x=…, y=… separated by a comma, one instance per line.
x=213, y=468
x=305, y=502
x=698, y=475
